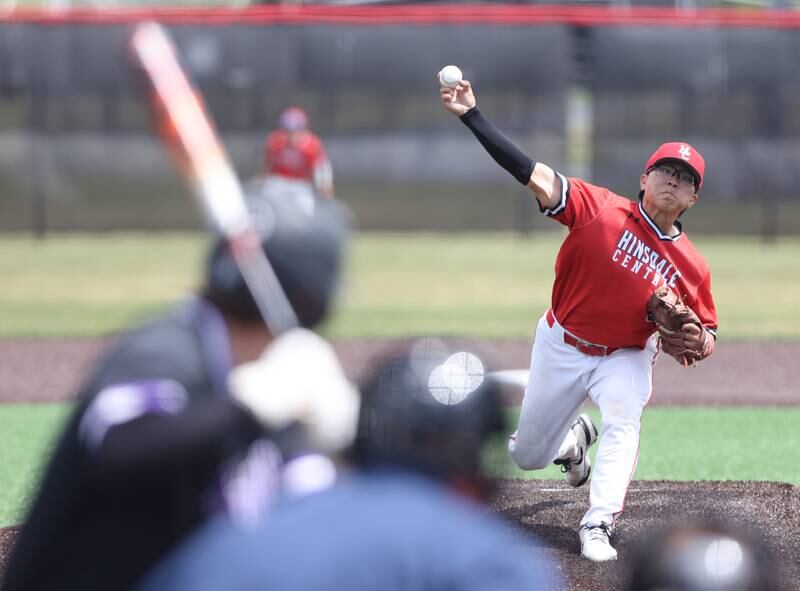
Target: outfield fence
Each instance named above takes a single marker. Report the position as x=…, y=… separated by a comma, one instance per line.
x=589, y=90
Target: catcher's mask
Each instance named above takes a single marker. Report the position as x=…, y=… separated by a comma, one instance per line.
x=304, y=242
x=430, y=410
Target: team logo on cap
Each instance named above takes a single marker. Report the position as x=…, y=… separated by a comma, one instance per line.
x=685, y=152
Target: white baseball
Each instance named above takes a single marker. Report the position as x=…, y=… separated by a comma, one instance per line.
x=450, y=76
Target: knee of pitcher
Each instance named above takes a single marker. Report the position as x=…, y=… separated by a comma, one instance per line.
x=527, y=459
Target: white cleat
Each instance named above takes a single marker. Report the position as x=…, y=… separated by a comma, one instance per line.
x=576, y=471
x=596, y=543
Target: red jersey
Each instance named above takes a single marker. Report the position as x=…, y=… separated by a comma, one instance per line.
x=613, y=258
x=298, y=155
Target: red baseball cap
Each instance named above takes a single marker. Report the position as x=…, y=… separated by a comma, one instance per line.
x=682, y=152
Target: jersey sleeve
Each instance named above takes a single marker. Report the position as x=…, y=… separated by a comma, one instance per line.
x=704, y=306
x=198, y=437
x=148, y=409
x=580, y=202
x=321, y=169
x=313, y=149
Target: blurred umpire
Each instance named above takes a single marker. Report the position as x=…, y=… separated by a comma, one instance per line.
x=156, y=443
x=412, y=518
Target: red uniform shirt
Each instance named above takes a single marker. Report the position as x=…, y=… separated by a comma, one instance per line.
x=613, y=258
x=298, y=159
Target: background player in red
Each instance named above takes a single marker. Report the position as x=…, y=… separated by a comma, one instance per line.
x=294, y=152
x=596, y=340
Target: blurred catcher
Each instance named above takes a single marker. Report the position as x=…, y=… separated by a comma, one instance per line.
x=156, y=443
x=596, y=341
x=411, y=520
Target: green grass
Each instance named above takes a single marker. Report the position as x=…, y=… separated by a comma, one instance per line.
x=79, y=285
x=677, y=444
x=27, y=434
x=488, y=285
x=699, y=444
x=483, y=285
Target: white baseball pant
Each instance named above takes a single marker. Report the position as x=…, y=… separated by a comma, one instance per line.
x=560, y=380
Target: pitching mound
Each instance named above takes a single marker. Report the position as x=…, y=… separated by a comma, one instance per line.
x=6, y=541
x=551, y=510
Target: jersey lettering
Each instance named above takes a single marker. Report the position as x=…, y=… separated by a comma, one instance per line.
x=636, y=249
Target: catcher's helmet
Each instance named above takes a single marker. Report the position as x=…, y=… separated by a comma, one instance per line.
x=704, y=554
x=304, y=241
x=430, y=410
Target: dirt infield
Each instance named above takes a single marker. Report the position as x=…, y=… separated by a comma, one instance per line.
x=739, y=373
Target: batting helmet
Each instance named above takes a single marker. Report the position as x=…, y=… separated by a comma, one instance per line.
x=702, y=555
x=304, y=242
x=430, y=410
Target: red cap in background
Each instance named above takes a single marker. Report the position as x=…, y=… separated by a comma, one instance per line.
x=294, y=119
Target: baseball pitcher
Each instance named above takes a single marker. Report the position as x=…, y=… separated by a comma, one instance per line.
x=600, y=337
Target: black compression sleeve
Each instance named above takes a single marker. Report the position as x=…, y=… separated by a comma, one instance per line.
x=502, y=149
